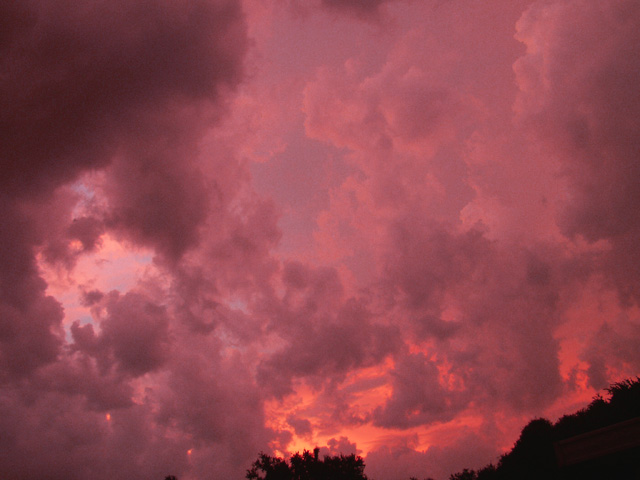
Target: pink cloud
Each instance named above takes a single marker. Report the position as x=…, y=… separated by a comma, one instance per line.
x=402, y=461
x=399, y=237
x=585, y=109
x=134, y=348
x=325, y=335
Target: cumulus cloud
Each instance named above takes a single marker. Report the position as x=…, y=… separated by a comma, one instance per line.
x=482, y=306
x=586, y=110
x=31, y=333
x=326, y=335
x=417, y=397
x=116, y=98
x=80, y=83
x=135, y=347
x=341, y=446
x=440, y=283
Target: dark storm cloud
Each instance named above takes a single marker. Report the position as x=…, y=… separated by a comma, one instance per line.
x=30, y=320
x=79, y=79
x=81, y=82
x=122, y=93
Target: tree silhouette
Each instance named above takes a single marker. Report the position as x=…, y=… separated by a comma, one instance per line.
x=465, y=474
x=487, y=473
x=533, y=455
x=269, y=468
x=307, y=466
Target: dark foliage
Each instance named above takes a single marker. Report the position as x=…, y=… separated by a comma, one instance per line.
x=623, y=404
x=487, y=473
x=465, y=474
x=307, y=466
x=533, y=455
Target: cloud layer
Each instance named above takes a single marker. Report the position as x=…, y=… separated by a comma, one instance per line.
x=397, y=229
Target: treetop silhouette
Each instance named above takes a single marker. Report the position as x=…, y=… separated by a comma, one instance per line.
x=534, y=454
x=307, y=466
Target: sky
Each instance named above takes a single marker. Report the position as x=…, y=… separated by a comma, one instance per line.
x=395, y=228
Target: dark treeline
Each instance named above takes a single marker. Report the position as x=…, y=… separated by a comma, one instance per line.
x=533, y=456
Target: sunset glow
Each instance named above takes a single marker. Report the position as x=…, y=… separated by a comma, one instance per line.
x=395, y=228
